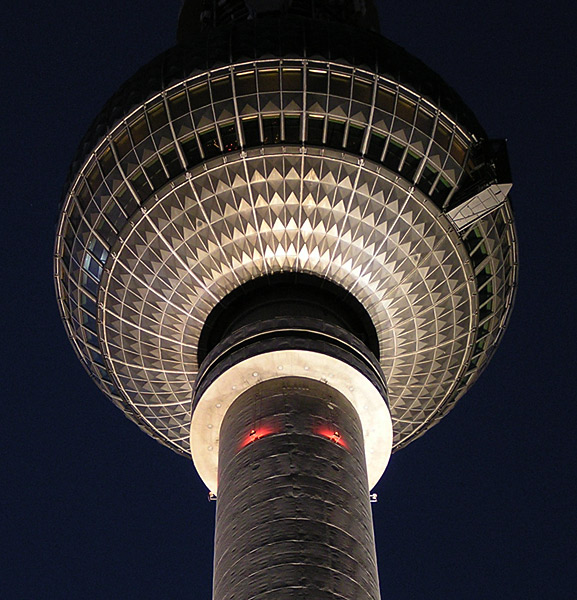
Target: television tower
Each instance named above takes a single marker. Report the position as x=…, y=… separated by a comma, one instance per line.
x=286, y=249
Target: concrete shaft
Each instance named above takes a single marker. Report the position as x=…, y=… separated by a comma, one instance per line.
x=293, y=514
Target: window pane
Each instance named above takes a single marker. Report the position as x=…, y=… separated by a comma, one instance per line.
x=355, y=138
x=245, y=83
x=210, y=143
x=292, y=80
x=335, y=134
x=139, y=130
x=191, y=151
x=405, y=110
x=362, y=91
x=268, y=81
x=199, y=96
x=157, y=117
x=271, y=130
x=393, y=156
x=340, y=85
x=221, y=89
x=178, y=105
x=315, y=130
x=385, y=100
x=229, y=137
x=317, y=82
x=292, y=129
x=251, y=132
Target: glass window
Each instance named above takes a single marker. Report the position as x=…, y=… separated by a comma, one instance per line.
x=441, y=192
x=268, y=80
x=335, y=133
x=97, y=249
x=126, y=199
x=427, y=179
x=340, y=85
x=94, y=178
x=442, y=136
x=292, y=129
x=209, y=143
x=292, y=80
x=362, y=91
x=376, y=146
x=405, y=110
x=271, y=130
x=479, y=255
x=158, y=117
x=245, y=83
x=107, y=161
x=385, y=100
x=394, y=155
x=83, y=196
x=221, y=89
x=191, y=151
x=486, y=310
x=425, y=121
x=229, y=137
x=178, y=105
x=89, y=284
x=139, y=130
x=410, y=165
x=458, y=151
x=140, y=184
x=315, y=130
x=155, y=172
x=317, y=82
x=105, y=230
x=251, y=132
x=199, y=96
x=355, y=138
x=172, y=161
x=123, y=143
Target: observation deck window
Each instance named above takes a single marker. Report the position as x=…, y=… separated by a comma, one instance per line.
x=221, y=89
x=441, y=192
x=394, y=155
x=140, y=184
x=317, y=82
x=229, y=137
x=406, y=110
x=335, y=133
x=123, y=144
x=268, y=80
x=251, y=132
x=178, y=105
x=385, y=100
x=443, y=136
x=107, y=162
x=410, y=165
x=271, y=130
x=191, y=151
x=292, y=129
x=172, y=161
x=376, y=146
x=292, y=80
x=362, y=91
x=199, y=96
x=157, y=116
x=245, y=83
x=315, y=128
x=425, y=121
x=139, y=130
x=209, y=143
x=355, y=138
x=340, y=85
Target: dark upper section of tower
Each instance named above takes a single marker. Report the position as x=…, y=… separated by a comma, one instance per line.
x=198, y=15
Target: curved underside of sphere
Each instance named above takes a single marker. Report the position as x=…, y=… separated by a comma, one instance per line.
x=250, y=167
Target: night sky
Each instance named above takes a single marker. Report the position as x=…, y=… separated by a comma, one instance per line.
x=482, y=507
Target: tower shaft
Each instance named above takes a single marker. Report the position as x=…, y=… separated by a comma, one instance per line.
x=293, y=513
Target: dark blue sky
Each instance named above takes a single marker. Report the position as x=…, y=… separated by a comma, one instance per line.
x=482, y=507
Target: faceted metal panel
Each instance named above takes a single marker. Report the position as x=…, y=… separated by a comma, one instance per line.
x=229, y=94
x=362, y=227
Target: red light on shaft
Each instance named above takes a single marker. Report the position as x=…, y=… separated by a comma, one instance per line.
x=331, y=434
x=257, y=433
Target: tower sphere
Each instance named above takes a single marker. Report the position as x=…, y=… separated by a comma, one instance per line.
x=284, y=147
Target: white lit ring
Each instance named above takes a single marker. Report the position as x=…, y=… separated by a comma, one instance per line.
x=219, y=396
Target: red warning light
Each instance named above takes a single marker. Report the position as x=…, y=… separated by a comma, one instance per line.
x=257, y=433
x=331, y=434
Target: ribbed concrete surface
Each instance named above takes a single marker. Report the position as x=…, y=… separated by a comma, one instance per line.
x=293, y=511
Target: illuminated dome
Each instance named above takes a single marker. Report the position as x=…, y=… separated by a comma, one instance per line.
x=284, y=146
